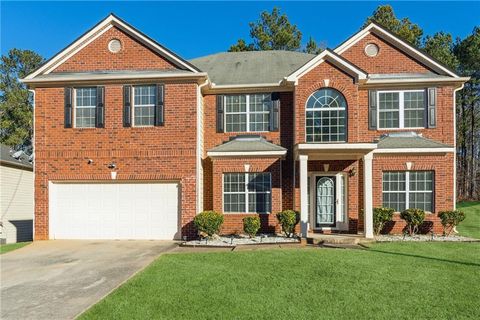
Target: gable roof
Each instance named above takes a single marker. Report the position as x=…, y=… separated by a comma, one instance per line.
x=399, y=43
x=251, y=67
x=96, y=31
x=335, y=59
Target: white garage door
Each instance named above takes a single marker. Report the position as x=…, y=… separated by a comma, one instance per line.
x=114, y=211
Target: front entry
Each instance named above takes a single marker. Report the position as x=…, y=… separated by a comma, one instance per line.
x=325, y=201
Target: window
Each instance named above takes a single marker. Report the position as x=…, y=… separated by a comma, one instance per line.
x=401, y=109
x=247, y=192
x=85, y=106
x=411, y=189
x=249, y=112
x=144, y=105
x=326, y=116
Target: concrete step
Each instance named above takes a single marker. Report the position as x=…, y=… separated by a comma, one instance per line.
x=343, y=246
x=322, y=239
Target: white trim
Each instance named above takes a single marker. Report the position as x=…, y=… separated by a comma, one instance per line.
x=397, y=42
x=368, y=194
x=247, y=112
x=74, y=107
x=401, y=108
x=240, y=86
x=132, y=94
x=320, y=58
x=336, y=146
x=245, y=153
x=416, y=80
x=93, y=34
x=113, y=76
x=415, y=150
x=455, y=145
x=303, y=195
x=199, y=151
x=34, y=165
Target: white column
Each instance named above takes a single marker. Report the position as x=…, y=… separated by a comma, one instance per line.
x=368, y=194
x=303, y=195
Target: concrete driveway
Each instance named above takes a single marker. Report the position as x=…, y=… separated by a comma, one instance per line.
x=59, y=279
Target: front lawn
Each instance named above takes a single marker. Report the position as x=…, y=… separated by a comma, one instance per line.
x=388, y=281
x=4, y=248
x=470, y=227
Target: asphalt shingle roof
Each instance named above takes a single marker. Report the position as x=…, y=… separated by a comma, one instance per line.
x=16, y=158
x=251, y=67
x=408, y=140
x=247, y=143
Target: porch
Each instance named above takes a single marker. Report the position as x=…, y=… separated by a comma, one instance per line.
x=335, y=186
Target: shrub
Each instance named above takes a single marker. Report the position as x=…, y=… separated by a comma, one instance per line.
x=450, y=219
x=208, y=222
x=380, y=217
x=251, y=225
x=414, y=218
x=288, y=219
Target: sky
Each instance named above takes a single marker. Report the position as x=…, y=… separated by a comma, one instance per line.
x=195, y=29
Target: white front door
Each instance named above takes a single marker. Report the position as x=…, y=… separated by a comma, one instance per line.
x=328, y=197
x=114, y=211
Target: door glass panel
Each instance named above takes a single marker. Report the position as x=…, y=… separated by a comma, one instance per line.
x=325, y=201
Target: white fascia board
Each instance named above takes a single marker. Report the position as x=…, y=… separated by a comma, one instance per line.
x=247, y=154
x=415, y=150
x=251, y=85
x=416, y=80
x=398, y=42
x=322, y=57
x=93, y=34
x=336, y=146
x=90, y=77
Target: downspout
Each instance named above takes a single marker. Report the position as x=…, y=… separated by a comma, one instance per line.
x=455, y=146
x=33, y=162
x=199, y=147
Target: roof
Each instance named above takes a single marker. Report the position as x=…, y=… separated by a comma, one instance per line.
x=407, y=140
x=247, y=145
x=251, y=67
x=20, y=159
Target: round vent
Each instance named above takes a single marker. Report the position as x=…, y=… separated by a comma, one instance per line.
x=114, y=45
x=371, y=49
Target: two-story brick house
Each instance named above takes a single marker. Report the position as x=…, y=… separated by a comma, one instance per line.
x=132, y=141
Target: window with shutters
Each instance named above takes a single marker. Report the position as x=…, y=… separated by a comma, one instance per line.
x=144, y=98
x=85, y=106
x=401, y=109
x=326, y=116
x=247, y=112
x=408, y=189
x=247, y=192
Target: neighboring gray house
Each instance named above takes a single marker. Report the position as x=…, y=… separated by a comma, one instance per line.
x=16, y=196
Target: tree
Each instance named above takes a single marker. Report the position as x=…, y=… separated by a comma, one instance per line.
x=312, y=47
x=273, y=31
x=404, y=28
x=16, y=109
x=440, y=46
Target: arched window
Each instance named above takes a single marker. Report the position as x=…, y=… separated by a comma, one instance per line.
x=326, y=116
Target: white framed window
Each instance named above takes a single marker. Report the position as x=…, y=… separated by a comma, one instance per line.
x=401, y=109
x=247, y=112
x=85, y=107
x=144, y=98
x=326, y=116
x=408, y=189
x=247, y=192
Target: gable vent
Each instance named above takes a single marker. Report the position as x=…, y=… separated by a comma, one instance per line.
x=114, y=46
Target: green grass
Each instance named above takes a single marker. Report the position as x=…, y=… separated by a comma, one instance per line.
x=4, y=248
x=470, y=227
x=388, y=281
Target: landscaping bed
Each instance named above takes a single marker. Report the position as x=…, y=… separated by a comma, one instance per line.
x=236, y=240
x=423, y=237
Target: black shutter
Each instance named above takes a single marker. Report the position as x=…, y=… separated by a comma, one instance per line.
x=127, y=106
x=275, y=112
x=220, y=113
x=372, y=109
x=160, y=105
x=431, y=108
x=100, y=110
x=68, y=108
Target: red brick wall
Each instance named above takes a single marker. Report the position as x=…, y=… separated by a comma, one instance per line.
x=96, y=56
x=233, y=222
x=388, y=60
x=442, y=165
x=149, y=153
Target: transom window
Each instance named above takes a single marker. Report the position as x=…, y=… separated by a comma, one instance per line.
x=247, y=192
x=326, y=116
x=144, y=98
x=85, y=105
x=250, y=112
x=408, y=189
x=401, y=109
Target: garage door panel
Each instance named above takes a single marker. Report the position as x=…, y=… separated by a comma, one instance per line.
x=114, y=211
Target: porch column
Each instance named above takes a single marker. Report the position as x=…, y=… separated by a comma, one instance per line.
x=303, y=195
x=368, y=194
